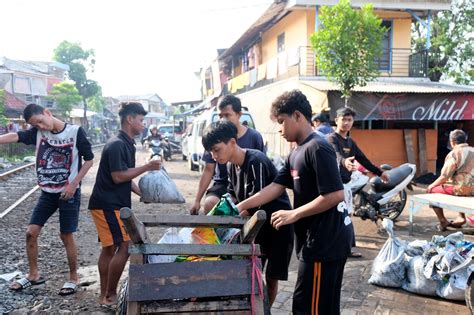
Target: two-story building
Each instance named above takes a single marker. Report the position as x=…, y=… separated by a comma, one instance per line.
x=28, y=82
x=274, y=55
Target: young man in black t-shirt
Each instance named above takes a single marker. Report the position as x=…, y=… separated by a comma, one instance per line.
x=230, y=109
x=249, y=171
x=322, y=225
x=112, y=191
x=347, y=151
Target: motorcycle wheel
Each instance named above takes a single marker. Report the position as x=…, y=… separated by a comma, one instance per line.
x=122, y=298
x=395, y=206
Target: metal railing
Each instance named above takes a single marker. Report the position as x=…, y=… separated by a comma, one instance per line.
x=419, y=64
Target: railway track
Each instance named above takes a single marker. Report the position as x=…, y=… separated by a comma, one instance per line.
x=19, y=183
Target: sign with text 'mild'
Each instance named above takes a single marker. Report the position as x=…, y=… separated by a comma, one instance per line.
x=407, y=106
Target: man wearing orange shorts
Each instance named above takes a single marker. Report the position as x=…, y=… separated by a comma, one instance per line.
x=112, y=191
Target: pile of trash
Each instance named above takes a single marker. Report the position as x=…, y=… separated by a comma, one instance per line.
x=201, y=235
x=158, y=187
x=440, y=267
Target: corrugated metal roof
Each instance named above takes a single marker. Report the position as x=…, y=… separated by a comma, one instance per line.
x=37, y=67
x=272, y=14
x=408, y=85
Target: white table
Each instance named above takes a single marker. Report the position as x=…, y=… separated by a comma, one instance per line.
x=447, y=202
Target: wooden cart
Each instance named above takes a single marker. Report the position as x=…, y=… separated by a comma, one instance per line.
x=218, y=287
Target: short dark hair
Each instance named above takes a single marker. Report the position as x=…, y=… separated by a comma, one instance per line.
x=233, y=101
x=458, y=136
x=322, y=117
x=220, y=131
x=345, y=111
x=130, y=109
x=289, y=102
x=31, y=110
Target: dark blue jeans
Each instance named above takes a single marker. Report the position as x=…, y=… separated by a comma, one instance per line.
x=48, y=203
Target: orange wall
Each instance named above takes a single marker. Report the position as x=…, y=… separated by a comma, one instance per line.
x=294, y=26
x=388, y=146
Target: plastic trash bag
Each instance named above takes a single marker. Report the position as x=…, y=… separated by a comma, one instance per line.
x=171, y=236
x=454, y=287
x=416, y=282
x=417, y=248
x=388, y=269
x=158, y=187
x=225, y=206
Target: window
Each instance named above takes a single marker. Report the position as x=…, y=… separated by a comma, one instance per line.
x=385, y=62
x=281, y=42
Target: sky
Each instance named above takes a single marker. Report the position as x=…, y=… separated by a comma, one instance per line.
x=141, y=46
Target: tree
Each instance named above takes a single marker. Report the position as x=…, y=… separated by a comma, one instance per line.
x=3, y=119
x=79, y=61
x=65, y=95
x=96, y=103
x=348, y=45
x=451, y=53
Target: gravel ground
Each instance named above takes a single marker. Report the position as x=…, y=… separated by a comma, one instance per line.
x=52, y=259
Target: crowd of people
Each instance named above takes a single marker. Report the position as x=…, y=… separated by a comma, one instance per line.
x=318, y=226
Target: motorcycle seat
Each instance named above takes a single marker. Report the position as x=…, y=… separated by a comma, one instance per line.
x=396, y=176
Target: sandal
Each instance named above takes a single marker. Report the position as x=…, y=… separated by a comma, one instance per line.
x=26, y=283
x=69, y=288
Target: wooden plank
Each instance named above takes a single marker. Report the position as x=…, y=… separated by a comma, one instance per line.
x=134, y=308
x=135, y=229
x=191, y=220
x=422, y=151
x=167, y=281
x=409, y=146
x=194, y=249
x=252, y=226
x=198, y=306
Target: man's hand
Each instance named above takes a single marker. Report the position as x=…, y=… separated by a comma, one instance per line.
x=282, y=217
x=195, y=208
x=385, y=177
x=350, y=164
x=69, y=191
x=154, y=165
x=244, y=213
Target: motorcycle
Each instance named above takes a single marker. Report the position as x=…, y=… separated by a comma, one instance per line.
x=156, y=149
x=374, y=199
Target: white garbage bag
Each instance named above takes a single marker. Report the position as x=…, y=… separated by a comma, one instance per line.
x=455, y=287
x=416, y=281
x=158, y=187
x=388, y=269
x=171, y=236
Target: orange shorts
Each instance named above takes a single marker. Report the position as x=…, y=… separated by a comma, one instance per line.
x=109, y=227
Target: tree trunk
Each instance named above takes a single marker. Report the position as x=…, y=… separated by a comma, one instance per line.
x=86, y=123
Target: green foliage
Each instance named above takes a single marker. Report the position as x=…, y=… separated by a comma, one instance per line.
x=3, y=119
x=96, y=103
x=452, y=43
x=348, y=45
x=65, y=95
x=79, y=61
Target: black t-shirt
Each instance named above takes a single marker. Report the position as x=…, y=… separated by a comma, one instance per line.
x=251, y=139
x=117, y=155
x=346, y=148
x=311, y=170
x=256, y=172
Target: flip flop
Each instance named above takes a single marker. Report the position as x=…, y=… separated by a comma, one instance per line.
x=26, y=283
x=455, y=225
x=110, y=307
x=355, y=255
x=69, y=288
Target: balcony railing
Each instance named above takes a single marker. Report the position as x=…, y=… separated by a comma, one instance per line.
x=301, y=61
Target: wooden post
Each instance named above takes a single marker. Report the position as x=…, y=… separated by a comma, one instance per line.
x=422, y=151
x=252, y=226
x=409, y=146
x=135, y=229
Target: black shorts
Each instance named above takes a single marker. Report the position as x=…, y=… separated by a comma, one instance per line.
x=318, y=287
x=217, y=190
x=277, y=248
x=48, y=203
